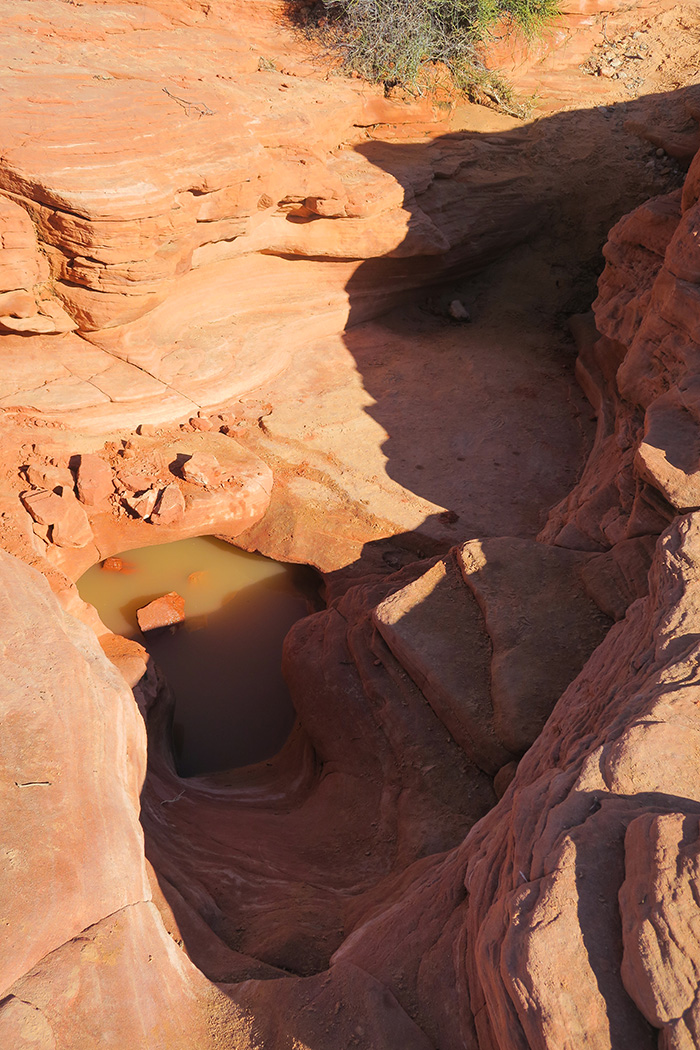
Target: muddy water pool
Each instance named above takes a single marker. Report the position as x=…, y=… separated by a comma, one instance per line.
x=232, y=706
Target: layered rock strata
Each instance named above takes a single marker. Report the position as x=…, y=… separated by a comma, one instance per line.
x=151, y=219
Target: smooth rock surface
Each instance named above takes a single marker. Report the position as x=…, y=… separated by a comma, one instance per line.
x=68, y=716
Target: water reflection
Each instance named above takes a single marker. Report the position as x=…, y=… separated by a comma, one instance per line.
x=232, y=706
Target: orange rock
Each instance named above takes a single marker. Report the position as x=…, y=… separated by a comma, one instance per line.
x=170, y=507
x=166, y=611
x=142, y=503
x=113, y=565
x=94, y=480
x=64, y=808
x=68, y=521
x=201, y=423
x=202, y=469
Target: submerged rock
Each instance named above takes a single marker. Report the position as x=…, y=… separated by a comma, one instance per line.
x=113, y=564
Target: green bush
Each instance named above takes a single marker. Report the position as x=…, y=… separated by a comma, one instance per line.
x=409, y=43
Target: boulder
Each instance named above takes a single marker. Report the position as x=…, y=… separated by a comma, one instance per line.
x=166, y=611
x=202, y=469
x=43, y=474
x=170, y=507
x=93, y=480
x=68, y=521
x=113, y=564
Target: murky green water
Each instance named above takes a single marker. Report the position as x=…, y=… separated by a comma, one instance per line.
x=232, y=706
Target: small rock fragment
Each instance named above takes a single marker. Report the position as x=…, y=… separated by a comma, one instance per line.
x=113, y=565
x=165, y=611
x=458, y=311
x=42, y=531
x=170, y=508
x=93, y=480
x=142, y=503
x=201, y=423
x=202, y=469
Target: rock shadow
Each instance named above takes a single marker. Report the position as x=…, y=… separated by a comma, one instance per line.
x=483, y=417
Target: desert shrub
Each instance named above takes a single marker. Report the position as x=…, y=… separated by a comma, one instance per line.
x=411, y=43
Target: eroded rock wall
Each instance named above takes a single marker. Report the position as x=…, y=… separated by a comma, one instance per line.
x=571, y=908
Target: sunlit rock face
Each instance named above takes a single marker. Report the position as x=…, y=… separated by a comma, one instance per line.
x=191, y=205
x=80, y=928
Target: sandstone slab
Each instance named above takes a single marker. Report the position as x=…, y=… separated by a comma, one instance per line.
x=542, y=623
x=126, y=957
x=63, y=514
x=166, y=611
x=435, y=629
x=94, y=480
x=170, y=507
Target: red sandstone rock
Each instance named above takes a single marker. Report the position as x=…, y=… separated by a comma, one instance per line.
x=566, y=918
x=142, y=503
x=202, y=469
x=517, y=584
x=113, y=565
x=137, y=477
x=436, y=631
x=70, y=717
x=59, y=1002
x=68, y=521
x=504, y=778
x=201, y=423
x=94, y=480
x=170, y=507
x=165, y=611
x=50, y=476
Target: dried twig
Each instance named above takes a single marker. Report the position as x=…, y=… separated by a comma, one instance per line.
x=610, y=43
x=200, y=108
